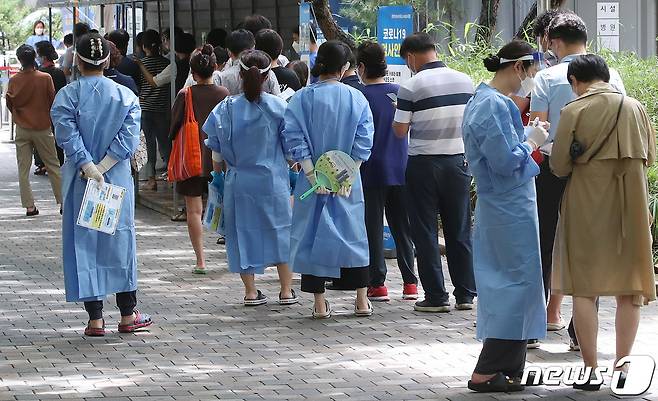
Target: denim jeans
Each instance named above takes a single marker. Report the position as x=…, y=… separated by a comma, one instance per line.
x=156, y=131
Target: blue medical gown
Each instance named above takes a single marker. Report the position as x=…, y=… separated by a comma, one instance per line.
x=328, y=232
x=257, y=211
x=94, y=117
x=506, y=260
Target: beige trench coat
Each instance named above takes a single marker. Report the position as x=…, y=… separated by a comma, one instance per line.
x=603, y=240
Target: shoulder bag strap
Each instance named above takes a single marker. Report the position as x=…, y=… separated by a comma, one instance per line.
x=605, y=140
x=189, y=106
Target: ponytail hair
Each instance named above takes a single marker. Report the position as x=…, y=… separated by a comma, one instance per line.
x=511, y=51
x=254, y=70
x=332, y=56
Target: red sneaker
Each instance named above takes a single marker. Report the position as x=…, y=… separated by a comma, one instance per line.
x=410, y=292
x=378, y=294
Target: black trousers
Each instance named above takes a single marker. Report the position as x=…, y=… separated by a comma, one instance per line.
x=506, y=356
x=126, y=301
x=39, y=163
x=549, y=196
x=392, y=201
x=441, y=185
x=350, y=279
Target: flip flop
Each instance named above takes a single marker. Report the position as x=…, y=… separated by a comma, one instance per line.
x=198, y=270
x=141, y=320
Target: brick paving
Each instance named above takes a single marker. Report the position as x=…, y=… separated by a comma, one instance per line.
x=205, y=345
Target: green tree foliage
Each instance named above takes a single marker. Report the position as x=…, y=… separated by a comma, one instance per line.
x=364, y=12
x=16, y=22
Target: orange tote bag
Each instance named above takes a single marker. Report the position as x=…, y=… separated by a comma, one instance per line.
x=185, y=160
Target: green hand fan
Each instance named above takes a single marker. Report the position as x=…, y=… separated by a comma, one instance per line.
x=333, y=170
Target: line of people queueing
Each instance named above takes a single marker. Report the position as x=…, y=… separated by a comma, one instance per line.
x=251, y=135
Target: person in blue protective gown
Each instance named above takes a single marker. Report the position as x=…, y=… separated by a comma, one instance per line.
x=97, y=123
x=506, y=258
x=39, y=35
x=329, y=238
x=245, y=131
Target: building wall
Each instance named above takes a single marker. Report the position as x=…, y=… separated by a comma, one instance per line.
x=225, y=14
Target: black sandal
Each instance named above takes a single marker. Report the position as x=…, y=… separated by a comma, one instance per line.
x=289, y=301
x=41, y=171
x=497, y=384
x=532, y=380
x=588, y=385
x=260, y=299
x=181, y=216
x=33, y=213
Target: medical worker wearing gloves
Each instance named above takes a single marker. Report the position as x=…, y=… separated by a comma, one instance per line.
x=97, y=124
x=245, y=131
x=329, y=237
x=506, y=257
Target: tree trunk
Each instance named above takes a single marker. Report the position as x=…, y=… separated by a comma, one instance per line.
x=529, y=19
x=326, y=22
x=487, y=21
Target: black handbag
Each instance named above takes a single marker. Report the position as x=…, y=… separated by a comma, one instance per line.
x=577, y=149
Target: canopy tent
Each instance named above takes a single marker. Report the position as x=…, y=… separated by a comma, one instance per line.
x=74, y=4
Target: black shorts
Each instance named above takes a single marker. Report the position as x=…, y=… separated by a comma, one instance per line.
x=195, y=186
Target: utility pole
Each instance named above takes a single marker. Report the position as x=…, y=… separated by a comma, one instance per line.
x=543, y=6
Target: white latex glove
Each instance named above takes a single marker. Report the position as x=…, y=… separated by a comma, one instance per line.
x=345, y=191
x=91, y=172
x=217, y=157
x=309, y=172
x=537, y=136
x=547, y=149
x=106, y=164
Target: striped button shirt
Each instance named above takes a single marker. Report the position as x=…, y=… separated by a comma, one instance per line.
x=433, y=103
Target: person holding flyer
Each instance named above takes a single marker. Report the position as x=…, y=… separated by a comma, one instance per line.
x=97, y=123
x=245, y=131
x=329, y=238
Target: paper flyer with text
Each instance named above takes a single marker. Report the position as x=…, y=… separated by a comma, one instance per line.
x=101, y=207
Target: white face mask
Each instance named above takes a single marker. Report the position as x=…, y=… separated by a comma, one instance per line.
x=527, y=85
x=38, y=31
x=358, y=75
x=344, y=70
x=295, y=46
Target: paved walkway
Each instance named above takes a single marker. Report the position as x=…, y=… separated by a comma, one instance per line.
x=206, y=345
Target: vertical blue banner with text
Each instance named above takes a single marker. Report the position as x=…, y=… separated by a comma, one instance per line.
x=394, y=23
